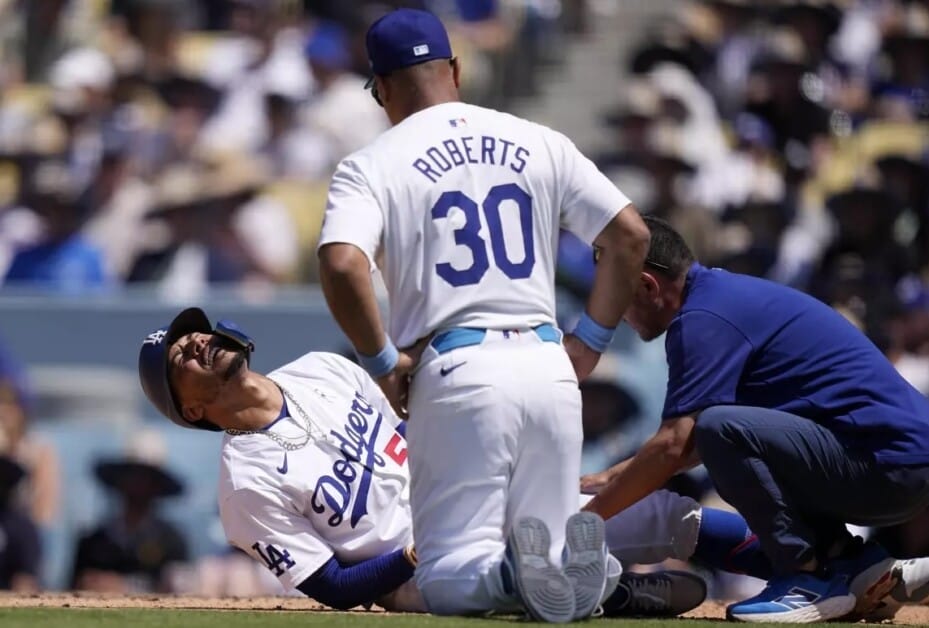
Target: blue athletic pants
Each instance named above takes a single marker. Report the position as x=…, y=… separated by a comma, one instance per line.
x=797, y=485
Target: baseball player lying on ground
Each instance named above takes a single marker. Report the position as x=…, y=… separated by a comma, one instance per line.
x=314, y=479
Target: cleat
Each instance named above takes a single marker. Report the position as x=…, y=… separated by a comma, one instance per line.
x=585, y=562
x=544, y=589
x=870, y=574
x=658, y=594
x=912, y=587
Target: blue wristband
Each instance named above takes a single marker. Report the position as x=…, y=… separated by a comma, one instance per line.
x=382, y=363
x=593, y=334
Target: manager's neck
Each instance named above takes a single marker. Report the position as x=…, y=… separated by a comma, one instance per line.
x=424, y=99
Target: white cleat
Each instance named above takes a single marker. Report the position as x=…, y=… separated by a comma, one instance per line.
x=912, y=587
x=586, y=561
x=543, y=588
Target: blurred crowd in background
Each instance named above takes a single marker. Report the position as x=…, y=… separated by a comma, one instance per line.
x=188, y=144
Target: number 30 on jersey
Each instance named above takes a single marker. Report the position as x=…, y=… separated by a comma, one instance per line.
x=468, y=235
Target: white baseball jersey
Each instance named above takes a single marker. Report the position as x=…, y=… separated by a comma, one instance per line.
x=346, y=493
x=467, y=203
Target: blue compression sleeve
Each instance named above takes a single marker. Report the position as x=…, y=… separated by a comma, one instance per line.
x=725, y=542
x=343, y=587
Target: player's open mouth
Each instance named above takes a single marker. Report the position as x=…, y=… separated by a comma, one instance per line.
x=208, y=355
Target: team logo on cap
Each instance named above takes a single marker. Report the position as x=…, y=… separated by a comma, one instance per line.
x=420, y=50
x=155, y=338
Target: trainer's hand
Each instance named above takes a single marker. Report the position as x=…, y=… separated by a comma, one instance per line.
x=592, y=483
x=583, y=358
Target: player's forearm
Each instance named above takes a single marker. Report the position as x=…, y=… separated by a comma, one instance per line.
x=345, y=275
x=346, y=586
x=623, y=245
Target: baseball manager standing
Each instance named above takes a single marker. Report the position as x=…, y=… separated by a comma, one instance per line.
x=463, y=205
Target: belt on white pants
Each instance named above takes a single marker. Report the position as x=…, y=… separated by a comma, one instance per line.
x=459, y=337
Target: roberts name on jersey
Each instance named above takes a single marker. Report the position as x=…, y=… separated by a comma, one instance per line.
x=457, y=151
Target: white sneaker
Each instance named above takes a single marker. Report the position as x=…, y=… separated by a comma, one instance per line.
x=614, y=571
x=586, y=560
x=912, y=587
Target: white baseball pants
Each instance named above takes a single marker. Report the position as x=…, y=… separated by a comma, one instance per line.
x=494, y=435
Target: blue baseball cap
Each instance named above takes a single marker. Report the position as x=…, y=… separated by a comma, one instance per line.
x=406, y=37
x=153, y=365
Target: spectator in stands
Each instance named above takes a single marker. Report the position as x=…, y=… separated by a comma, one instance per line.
x=341, y=110
x=116, y=201
x=37, y=495
x=192, y=102
x=293, y=150
x=610, y=415
x=262, y=46
x=20, y=549
x=252, y=236
x=134, y=550
x=63, y=260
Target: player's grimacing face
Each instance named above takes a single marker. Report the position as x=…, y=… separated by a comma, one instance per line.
x=200, y=365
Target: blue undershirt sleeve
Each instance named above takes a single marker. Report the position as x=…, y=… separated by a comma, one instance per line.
x=346, y=586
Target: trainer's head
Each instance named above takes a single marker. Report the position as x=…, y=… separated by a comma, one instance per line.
x=412, y=63
x=660, y=291
x=186, y=366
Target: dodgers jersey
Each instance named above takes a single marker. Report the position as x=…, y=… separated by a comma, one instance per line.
x=346, y=493
x=466, y=204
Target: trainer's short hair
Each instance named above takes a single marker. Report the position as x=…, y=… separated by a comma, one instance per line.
x=667, y=252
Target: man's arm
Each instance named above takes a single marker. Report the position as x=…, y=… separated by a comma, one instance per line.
x=665, y=454
x=345, y=275
x=346, y=586
x=622, y=245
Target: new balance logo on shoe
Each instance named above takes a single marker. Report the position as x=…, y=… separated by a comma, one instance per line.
x=798, y=597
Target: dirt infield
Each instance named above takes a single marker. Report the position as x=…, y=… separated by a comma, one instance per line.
x=909, y=615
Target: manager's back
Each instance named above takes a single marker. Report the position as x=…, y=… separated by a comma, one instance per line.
x=466, y=204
